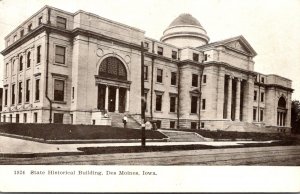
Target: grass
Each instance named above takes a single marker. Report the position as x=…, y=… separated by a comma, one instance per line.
x=75, y=132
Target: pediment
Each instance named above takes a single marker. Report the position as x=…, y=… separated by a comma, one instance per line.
x=238, y=46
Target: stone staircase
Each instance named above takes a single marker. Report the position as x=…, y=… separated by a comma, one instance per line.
x=117, y=121
x=183, y=136
x=248, y=127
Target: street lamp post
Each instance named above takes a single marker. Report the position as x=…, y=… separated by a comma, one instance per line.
x=143, y=96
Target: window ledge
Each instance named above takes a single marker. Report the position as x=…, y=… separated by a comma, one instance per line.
x=193, y=113
x=160, y=83
x=38, y=64
x=60, y=102
x=60, y=64
x=174, y=85
x=158, y=111
x=36, y=101
x=172, y=112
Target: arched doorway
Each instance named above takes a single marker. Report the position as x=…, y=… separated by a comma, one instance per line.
x=113, y=87
x=281, y=112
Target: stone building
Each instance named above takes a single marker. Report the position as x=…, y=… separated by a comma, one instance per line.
x=75, y=68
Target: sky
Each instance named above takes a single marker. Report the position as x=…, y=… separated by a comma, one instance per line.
x=272, y=27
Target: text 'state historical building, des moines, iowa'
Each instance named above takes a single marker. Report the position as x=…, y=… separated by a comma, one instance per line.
x=63, y=67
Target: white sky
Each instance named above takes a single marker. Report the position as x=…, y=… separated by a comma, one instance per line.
x=272, y=27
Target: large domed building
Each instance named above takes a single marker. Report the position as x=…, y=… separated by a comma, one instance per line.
x=80, y=68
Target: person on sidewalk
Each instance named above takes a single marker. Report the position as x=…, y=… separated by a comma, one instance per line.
x=125, y=121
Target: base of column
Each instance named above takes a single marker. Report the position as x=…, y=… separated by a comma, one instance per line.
x=116, y=111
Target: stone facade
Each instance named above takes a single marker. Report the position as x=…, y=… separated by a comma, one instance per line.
x=80, y=68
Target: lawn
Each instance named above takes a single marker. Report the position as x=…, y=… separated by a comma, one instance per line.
x=75, y=132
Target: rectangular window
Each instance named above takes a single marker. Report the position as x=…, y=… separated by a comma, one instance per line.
x=146, y=99
x=28, y=59
x=194, y=101
x=262, y=80
x=195, y=57
x=173, y=78
x=158, y=102
x=262, y=97
x=145, y=72
x=37, y=89
x=172, y=124
x=203, y=104
x=17, y=118
x=22, y=33
x=174, y=54
x=60, y=54
x=40, y=20
x=261, y=115
x=58, y=118
x=20, y=93
x=255, y=96
x=27, y=90
x=29, y=27
x=195, y=80
x=21, y=63
x=159, y=76
x=25, y=118
x=193, y=125
x=202, y=125
x=35, y=117
x=6, y=70
x=146, y=45
x=59, y=90
x=254, y=114
x=13, y=95
x=38, y=54
x=15, y=38
x=8, y=43
x=73, y=93
x=158, y=124
x=160, y=50
x=172, y=104
x=204, y=79
x=61, y=22
x=205, y=57
x=5, y=97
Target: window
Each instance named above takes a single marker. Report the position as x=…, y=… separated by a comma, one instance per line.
x=173, y=78
x=172, y=104
x=261, y=115
x=254, y=114
x=13, y=95
x=159, y=76
x=37, y=89
x=262, y=80
x=40, y=20
x=203, y=104
x=160, y=50
x=58, y=118
x=195, y=80
x=262, y=96
x=195, y=57
x=14, y=67
x=204, y=79
x=6, y=70
x=38, y=54
x=8, y=43
x=22, y=33
x=145, y=72
x=146, y=45
x=194, y=101
x=21, y=64
x=158, y=102
x=202, y=125
x=27, y=90
x=255, y=95
x=17, y=118
x=112, y=67
x=59, y=90
x=174, y=54
x=20, y=93
x=73, y=92
x=60, y=53
x=25, y=118
x=172, y=124
x=5, y=97
x=158, y=124
x=61, y=22
x=15, y=38
x=205, y=57
x=29, y=27
x=4, y=118
x=193, y=125
x=146, y=99
x=35, y=117
x=28, y=59
x=10, y=118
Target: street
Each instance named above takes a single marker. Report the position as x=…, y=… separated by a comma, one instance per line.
x=265, y=156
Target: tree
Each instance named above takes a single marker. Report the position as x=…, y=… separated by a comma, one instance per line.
x=295, y=116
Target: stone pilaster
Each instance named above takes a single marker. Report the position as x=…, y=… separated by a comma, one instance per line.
x=229, y=97
x=238, y=99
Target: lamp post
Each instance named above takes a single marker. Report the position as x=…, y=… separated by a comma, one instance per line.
x=142, y=96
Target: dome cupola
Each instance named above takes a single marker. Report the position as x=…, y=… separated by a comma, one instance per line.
x=185, y=31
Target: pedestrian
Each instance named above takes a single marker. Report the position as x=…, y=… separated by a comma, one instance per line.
x=125, y=121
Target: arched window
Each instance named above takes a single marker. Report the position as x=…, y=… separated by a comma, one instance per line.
x=21, y=64
x=28, y=59
x=112, y=67
x=281, y=103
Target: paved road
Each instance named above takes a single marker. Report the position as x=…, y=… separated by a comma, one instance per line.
x=269, y=156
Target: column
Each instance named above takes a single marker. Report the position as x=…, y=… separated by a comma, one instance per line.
x=106, y=98
x=127, y=100
x=229, y=97
x=117, y=100
x=238, y=99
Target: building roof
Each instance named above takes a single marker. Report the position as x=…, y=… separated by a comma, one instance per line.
x=185, y=19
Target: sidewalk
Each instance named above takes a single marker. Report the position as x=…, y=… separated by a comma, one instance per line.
x=12, y=146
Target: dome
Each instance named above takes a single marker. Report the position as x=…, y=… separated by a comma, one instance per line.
x=185, y=31
x=185, y=19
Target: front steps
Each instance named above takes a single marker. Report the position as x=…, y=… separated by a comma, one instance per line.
x=250, y=127
x=117, y=121
x=183, y=136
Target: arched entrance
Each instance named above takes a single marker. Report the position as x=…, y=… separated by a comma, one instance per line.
x=281, y=112
x=113, y=87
